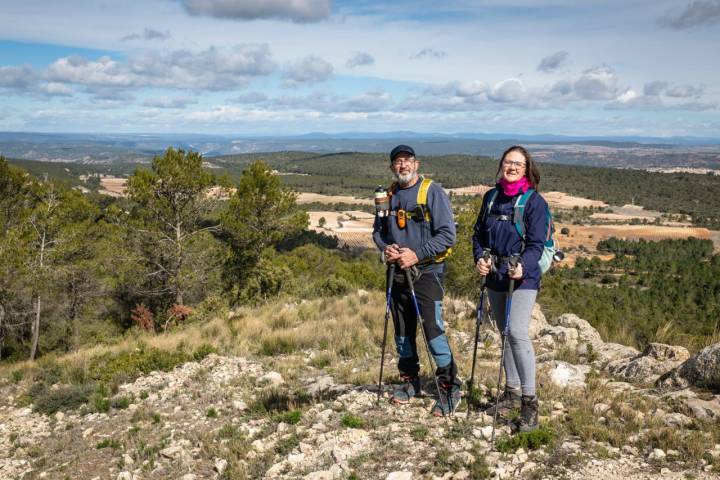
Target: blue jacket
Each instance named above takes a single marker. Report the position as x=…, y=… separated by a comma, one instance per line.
x=427, y=240
x=503, y=239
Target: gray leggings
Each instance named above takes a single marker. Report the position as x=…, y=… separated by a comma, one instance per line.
x=519, y=352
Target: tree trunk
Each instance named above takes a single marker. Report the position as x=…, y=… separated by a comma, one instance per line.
x=35, y=329
x=178, y=262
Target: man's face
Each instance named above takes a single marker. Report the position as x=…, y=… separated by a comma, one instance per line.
x=404, y=168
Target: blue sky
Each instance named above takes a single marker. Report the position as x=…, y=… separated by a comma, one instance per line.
x=246, y=67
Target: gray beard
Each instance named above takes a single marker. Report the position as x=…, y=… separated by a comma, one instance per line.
x=405, y=179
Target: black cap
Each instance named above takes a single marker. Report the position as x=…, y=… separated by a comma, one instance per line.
x=401, y=149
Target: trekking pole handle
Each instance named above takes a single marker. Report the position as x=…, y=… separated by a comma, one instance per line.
x=485, y=256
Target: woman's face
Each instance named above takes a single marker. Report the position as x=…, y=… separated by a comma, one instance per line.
x=513, y=166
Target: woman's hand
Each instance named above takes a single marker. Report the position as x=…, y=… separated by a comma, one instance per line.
x=483, y=266
x=517, y=272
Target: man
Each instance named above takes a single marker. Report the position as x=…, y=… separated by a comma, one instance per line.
x=418, y=231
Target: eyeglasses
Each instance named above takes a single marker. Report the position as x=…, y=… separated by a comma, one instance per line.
x=401, y=160
x=518, y=165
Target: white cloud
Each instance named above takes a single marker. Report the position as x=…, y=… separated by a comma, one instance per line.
x=553, y=62
x=510, y=90
x=699, y=12
x=655, y=88
x=54, y=89
x=20, y=78
x=684, y=91
x=299, y=11
x=598, y=83
x=169, y=102
x=429, y=53
x=147, y=34
x=212, y=69
x=360, y=59
x=307, y=70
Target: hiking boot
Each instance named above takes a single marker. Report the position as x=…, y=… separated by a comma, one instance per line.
x=408, y=389
x=448, y=401
x=528, y=420
x=509, y=400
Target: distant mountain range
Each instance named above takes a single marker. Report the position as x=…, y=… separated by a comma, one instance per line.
x=588, y=150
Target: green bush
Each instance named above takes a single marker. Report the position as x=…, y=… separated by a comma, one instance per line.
x=292, y=417
x=133, y=363
x=66, y=397
x=528, y=441
x=121, y=403
x=203, y=351
x=350, y=420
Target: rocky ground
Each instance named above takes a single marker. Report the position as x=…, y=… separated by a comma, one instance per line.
x=609, y=412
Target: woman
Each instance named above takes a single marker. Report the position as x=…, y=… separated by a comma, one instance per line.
x=496, y=230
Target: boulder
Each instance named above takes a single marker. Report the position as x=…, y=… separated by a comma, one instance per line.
x=538, y=322
x=566, y=375
x=609, y=352
x=700, y=370
x=586, y=332
x=655, y=360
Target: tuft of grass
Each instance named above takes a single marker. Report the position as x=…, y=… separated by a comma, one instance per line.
x=211, y=413
x=350, y=420
x=419, y=433
x=292, y=417
x=108, y=443
x=121, y=403
x=528, y=441
x=16, y=376
x=203, y=351
x=286, y=444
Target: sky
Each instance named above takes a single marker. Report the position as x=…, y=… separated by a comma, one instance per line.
x=286, y=67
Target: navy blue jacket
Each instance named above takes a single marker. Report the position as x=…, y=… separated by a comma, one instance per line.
x=427, y=240
x=503, y=239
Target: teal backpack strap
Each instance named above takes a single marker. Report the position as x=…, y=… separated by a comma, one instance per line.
x=491, y=200
x=519, y=212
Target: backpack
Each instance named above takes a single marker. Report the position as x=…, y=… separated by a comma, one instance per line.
x=422, y=204
x=549, y=249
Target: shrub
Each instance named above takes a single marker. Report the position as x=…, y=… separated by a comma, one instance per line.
x=528, y=441
x=350, y=420
x=203, y=351
x=67, y=397
x=292, y=417
x=121, y=403
x=142, y=317
x=176, y=315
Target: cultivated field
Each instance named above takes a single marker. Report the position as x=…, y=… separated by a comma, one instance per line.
x=113, y=186
x=316, y=197
x=587, y=237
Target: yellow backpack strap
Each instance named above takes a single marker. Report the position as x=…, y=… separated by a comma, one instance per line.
x=422, y=196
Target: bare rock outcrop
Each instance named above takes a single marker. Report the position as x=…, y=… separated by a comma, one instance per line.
x=702, y=370
x=655, y=360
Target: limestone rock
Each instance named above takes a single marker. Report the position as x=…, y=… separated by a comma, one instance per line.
x=586, y=332
x=538, y=322
x=273, y=379
x=400, y=476
x=702, y=369
x=656, y=359
x=566, y=375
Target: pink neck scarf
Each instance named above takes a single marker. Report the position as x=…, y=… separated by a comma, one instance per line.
x=513, y=188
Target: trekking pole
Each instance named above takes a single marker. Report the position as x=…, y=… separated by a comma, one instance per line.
x=390, y=274
x=478, y=321
x=512, y=264
x=408, y=276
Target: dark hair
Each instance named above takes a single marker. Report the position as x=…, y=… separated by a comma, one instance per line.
x=531, y=170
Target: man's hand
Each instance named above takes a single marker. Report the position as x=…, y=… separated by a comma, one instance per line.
x=483, y=266
x=392, y=253
x=407, y=258
x=517, y=272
